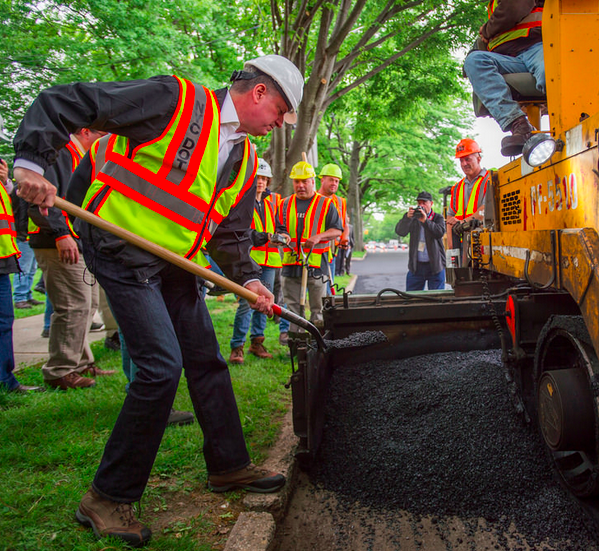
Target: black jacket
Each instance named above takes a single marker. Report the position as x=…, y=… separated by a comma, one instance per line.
x=434, y=230
x=139, y=110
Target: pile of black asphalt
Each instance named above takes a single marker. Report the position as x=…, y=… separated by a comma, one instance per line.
x=438, y=436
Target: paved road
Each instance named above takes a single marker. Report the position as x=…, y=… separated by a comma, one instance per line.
x=381, y=270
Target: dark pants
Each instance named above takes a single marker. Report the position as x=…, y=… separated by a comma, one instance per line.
x=416, y=281
x=7, y=317
x=167, y=328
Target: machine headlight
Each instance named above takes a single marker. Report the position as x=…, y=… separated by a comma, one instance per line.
x=538, y=149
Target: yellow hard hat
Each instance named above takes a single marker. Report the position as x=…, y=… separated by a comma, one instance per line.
x=302, y=171
x=331, y=170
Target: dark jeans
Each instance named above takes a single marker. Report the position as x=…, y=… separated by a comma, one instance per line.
x=167, y=328
x=416, y=281
x=7, y=317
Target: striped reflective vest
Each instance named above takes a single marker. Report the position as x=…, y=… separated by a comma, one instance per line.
x=341, y=205
x=521, y=30
x=268, y=254
x=8, y=231
x=76, y=156
x=274, y=199
x=165, y=190
x=476, y=199
x=314, y=223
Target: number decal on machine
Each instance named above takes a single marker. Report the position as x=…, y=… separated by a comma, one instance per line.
x=561, y=193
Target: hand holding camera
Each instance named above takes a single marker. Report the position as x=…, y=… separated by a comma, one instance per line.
x=418, y=213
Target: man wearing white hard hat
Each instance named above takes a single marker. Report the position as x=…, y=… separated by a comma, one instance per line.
x=178, y=169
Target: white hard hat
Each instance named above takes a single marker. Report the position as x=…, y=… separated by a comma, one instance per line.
x=3, y=135
x=287, y=76
x=263, y=169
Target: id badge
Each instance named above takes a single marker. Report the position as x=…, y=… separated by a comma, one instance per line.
x=421, y=246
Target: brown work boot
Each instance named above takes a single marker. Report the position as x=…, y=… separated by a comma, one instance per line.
x=521, y=131
x=257, y=348
x=284, y=338
x=94, y=371
x=110, y=518
x=236, y=356
x=72, y=380
x=251, y=478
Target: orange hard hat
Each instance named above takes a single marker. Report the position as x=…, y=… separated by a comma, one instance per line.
x=466, y=147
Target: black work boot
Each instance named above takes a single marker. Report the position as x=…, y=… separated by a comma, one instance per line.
x=521, y=131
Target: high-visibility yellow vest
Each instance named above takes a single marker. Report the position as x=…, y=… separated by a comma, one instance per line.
x=164, y=190
x=267, y=255
x=8, y=231
x=314, y=223
x=521, y=30
x=474, y=201
x=76, y=156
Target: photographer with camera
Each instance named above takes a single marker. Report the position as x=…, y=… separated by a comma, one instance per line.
x=427, y=254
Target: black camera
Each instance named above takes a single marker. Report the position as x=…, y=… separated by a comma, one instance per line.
x=418, y=213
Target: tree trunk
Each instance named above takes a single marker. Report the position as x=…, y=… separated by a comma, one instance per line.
x=353, y=196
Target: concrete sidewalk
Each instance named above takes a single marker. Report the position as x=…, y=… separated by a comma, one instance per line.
x=29, y=345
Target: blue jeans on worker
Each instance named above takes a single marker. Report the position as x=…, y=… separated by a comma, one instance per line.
x=168, y=329
x=23, y=281
x=246, y=317
x=484, y=70
x=416, y=281
x=48, y=313
x=7, y=316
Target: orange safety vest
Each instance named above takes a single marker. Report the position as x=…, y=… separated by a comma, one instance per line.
x=521, y=30
x=267, y=255
x=164, y=189
x=8, y=231
x=475, y=201
x=76, y=156
x=274, y=199
x=341, y=205
x=314, y=223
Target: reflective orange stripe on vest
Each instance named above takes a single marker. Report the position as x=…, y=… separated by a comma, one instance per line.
x=8, y=231
x=521, y=30
x=457, y=196
x=314, y=223
x=267, y=255
x=167, y=186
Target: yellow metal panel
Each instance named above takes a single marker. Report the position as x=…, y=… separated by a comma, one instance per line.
x=571, y=32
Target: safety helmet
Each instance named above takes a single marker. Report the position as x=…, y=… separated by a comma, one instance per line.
x=287, y=76
x=263, y=169
x=331, y=170
x=466, y=147
x=302, y=171
x=3, y=135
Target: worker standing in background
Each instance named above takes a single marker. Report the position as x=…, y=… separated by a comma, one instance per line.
x=511, y=42
x=179, y=170
x=9, y=254
x=330, y=177
x=56, y=246
x=275, y=199
x=468, y=195
x=426, y=264
x=311, y=221
x=266, y=254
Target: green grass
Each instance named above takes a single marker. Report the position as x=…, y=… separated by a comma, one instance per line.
x=52, y=443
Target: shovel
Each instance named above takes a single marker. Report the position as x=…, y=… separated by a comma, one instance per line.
x=186, y=264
